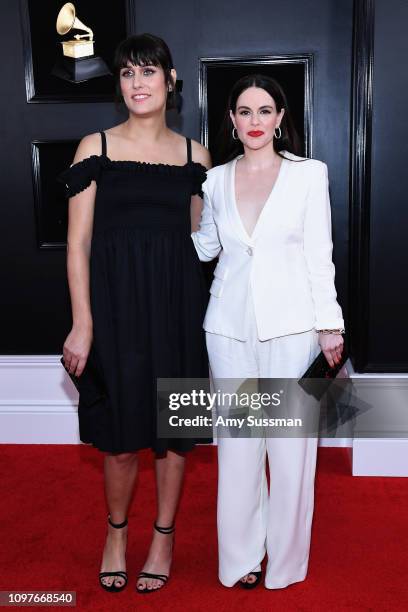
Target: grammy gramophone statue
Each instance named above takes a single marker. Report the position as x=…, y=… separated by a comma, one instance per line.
x=78, y=62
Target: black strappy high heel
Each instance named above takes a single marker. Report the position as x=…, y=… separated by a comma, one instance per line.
x=251, y=585
x=113, y=588
x=162, y=577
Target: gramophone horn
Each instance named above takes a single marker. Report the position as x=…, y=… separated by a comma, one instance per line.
x=67, y=21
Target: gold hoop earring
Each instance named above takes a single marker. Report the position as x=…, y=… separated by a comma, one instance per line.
x=280, y=132
x=234, y=131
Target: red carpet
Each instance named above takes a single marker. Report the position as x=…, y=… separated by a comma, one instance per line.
x=53, y=524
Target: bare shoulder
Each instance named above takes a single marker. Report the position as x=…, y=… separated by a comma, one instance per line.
x=89, y=145
x=200, y=154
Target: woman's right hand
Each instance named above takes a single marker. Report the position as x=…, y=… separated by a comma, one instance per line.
x=76, y=349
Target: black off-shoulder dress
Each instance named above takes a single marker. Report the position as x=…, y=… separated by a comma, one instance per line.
x=148, y=297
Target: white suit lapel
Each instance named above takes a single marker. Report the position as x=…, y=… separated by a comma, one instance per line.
x=271, y=206
x=231, y=208
x=275, y=202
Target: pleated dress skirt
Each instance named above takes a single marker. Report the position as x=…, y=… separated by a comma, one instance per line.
x=148, y=298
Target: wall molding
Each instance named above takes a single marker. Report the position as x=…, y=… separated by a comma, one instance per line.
x=360, y=184
x=38, y=403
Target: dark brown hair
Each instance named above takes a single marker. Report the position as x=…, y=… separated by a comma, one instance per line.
x=289, y=141
x=143, y=50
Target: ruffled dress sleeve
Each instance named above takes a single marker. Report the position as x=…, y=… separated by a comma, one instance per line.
x=80, y=175
x=200, y=176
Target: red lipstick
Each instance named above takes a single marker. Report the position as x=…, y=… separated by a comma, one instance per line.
x=255, y=133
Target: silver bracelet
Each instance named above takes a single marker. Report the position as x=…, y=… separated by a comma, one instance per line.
x=337, y=332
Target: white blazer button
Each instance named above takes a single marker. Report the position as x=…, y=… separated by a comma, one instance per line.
x=249, y=251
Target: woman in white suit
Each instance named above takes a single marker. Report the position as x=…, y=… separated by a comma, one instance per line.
x=272, y=308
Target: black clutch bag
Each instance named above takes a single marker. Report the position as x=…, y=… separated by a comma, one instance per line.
x=319, y=375
x=319, y=368
x=90, y=383
x=75, y=379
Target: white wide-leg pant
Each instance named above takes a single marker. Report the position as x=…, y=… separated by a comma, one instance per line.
x=251, y=522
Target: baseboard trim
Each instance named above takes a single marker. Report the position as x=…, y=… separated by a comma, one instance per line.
x=38, y=405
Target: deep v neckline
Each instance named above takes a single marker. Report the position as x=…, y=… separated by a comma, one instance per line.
x=267, y=201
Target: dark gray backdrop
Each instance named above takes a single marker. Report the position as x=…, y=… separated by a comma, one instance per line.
x=388, y=268
x=35, y=305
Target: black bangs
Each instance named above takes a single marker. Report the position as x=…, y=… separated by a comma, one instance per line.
x=143, y=50
x=146, y=50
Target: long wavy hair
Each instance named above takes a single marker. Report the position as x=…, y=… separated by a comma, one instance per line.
x=229, y=148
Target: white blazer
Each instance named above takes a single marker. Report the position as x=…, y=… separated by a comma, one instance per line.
x=287, y=261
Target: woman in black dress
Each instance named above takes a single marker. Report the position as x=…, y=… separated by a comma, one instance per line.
x=137, y=292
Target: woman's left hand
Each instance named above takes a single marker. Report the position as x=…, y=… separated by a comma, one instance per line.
x=332, y=347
